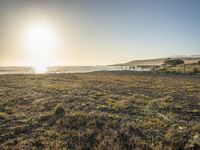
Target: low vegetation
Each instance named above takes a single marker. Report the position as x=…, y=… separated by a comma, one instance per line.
x=173, y=62
x=60, y=110
x=181, y=69
x=100, y=110
x=196, y=70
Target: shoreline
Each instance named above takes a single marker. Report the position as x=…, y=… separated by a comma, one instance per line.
x=123, y=72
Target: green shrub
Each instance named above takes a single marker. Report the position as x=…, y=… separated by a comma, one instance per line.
x=164, y=70
x=140, y=97
x=115, y=116
x=195, y=70
x=60, y=110
x=2, y=115
x=117, y=104
x=102, y=107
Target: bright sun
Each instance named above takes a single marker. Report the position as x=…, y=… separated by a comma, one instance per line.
x=40, y=44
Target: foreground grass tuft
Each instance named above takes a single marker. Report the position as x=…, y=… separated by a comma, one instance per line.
x=60, y=110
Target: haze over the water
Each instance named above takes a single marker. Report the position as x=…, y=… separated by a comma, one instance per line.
x=91, y=32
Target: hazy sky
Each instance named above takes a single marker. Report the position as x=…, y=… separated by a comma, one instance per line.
x=100, y=32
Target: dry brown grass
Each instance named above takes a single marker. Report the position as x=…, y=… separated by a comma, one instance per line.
x=102, y=110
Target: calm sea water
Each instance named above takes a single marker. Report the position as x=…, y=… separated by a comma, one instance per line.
x=66, y=69
x=63, y=69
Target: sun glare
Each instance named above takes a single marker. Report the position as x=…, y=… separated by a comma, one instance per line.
x=40, y=69
x=41, y=38
x=40, y=42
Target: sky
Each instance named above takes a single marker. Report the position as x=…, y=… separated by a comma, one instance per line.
x=96, y=32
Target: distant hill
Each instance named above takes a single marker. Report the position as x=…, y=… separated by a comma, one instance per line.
x=159, y=61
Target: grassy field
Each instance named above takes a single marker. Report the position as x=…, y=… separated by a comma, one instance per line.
x=100, y=110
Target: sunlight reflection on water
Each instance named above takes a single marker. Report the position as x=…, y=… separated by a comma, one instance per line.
x=40, y=69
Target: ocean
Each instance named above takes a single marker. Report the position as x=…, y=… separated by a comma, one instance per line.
x=61, y=69
x=58, y=69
